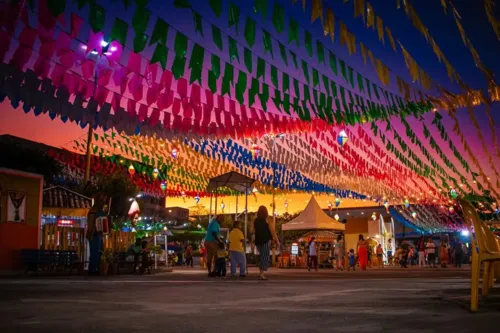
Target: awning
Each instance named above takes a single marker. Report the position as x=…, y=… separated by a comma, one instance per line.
x=233, y=180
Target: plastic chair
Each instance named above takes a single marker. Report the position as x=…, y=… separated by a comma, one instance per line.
x=485, y=250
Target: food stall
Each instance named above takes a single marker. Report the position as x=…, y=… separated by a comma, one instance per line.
x=317, y=224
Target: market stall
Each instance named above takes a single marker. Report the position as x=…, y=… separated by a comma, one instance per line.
x=321, y=226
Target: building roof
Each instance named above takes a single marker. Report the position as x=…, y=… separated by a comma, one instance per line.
x=60, y=197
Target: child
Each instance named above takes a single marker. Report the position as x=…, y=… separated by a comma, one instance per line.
x=352, y=260
x=220, y=261
x=189, y=256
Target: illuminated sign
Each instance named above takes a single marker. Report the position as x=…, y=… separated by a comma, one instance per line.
x=295, y=249
x=65, y=223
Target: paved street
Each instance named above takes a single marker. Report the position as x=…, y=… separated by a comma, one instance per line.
x=386, y=300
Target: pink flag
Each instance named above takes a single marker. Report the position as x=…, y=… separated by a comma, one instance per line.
x=27, y=37
x=41, y=67
x=152, y=94
x=21, y=57
x=116, y=101
x=154, y=118
x=88, y=69
x=143, y=112
x=94, y=42
x=166, y=80
x=47, y=49
x=135, y=87
x=131, y=108
x=76, y=24
x=134, y=62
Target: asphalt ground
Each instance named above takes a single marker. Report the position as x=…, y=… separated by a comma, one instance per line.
x=377, y=300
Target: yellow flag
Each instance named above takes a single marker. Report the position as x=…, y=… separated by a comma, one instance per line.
x=380, y=29
x=370, y=16
x=317, y=10
x=329, y=24
x=359, y=9
x=391, y=39
x=363, y=51
x=343, y=34
x=372, y=59
x=443, y=3
x=352, y=43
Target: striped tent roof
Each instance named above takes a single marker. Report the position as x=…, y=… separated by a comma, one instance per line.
x=60, y=197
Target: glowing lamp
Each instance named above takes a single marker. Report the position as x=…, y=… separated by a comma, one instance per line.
x=342, y=138
x=131, y=170
x=414, y=215
x=155, y=173
x=451, y=210
x=336, y=217
x=464, y=233
x=374, y=216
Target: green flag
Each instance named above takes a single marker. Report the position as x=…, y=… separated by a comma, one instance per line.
x=274, y=76
x=141, y=19
x=214, y=73
x=160, y=32
x=296, y=88
x=250, y=28
x=308, y=43
x=360, y=83
x=320, y=50
x=279, y=18
x=119, y=31
x=254, y=90
x=180, y=45
x=343, y=69
x=283, y=53
x=285, y=81
x=261, y=68
x=241, y=87
x=315, y=77
x=234, y=16
x=233, y=50
x=264, y=96
x=293, y=31
x=277, y=99
x=97, y=17
x=248, y=60
x=217, y=37
x=216, y=6
x=351, y=76
x=160, y=55
x=227, y=79
x=196, y=63
x=268, y=42
x=261, y=6
x=198, y=23
x=294, y=58
x=333, y=63
x=305, y=70
x=178, y=67
x=140, y=41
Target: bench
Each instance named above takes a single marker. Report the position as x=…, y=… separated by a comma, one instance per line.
x=128, y=266
x=50, y=260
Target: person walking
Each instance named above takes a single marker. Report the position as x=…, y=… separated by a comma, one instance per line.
x=237, y=250
x=421, y=252
x=313, y=255
x=430, y=248
x=458, y=253
x=380, y=256
x=262, y=239
x=189, y=256
x=443, y=253
x=405, y=250
x=362, y=253
x=339, y=253
x=212, y=242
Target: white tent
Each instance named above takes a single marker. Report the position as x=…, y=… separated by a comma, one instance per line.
x=313, y=217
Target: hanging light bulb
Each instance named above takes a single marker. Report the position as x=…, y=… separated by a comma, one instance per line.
x=175, y=153
x=336, y=217
x=155, y=173
x=131, y=170
x=342, y=138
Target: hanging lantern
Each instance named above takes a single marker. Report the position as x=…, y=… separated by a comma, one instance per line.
x=453, y=193
x=197, y=199
x=336, y=217
x=330, y=206
x=222, y=206
x=255, y=150
x=414, y=215
x=342, y=138
x=131, y=170
x=374, y=216
x=155, y=173
x=451, y=210
x=163, y=186
x=337, y=202
x=407, y=203
x=175, y=153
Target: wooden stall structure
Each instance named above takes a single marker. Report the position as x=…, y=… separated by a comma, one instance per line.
x=59, y=238
x=118, y=241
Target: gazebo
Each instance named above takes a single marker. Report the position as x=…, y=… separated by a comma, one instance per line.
x=234, y=181
x=313, y=218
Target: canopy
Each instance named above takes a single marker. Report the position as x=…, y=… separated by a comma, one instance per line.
x=313, y=217
x=319, y=235
x=233, y=180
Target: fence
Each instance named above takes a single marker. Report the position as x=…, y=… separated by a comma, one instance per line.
x=73, y=239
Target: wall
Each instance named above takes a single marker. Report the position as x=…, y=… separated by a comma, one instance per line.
x=15, y=236
x=353, y=228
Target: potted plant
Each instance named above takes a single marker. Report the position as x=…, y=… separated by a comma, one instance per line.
x=107, y=258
